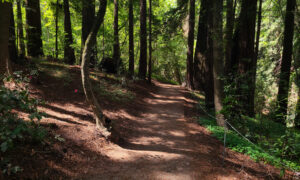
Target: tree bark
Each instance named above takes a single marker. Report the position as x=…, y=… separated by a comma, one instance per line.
x=203, y=61
x=13, y=52
x=243, y=55
x=229, y=32
x=21, y=44
x=33, y=29
x=88, y=16
x=101, y=122
x=4, y=39
x=143, y=40
x=284, y=79
x=131, y=39
x=150, y=42
x=56, y=31
x=258, y=28
x=69, y=55
x=189, y=61
x=116, y=52
x=297, y=118
x=218, y=67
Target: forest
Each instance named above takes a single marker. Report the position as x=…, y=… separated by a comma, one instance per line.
x=142, y=89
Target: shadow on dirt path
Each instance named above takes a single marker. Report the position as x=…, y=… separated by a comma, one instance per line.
x=166, y=143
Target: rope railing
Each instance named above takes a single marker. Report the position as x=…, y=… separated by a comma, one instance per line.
x=239, y=133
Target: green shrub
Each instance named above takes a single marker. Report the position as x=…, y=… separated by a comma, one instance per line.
x=14, y=130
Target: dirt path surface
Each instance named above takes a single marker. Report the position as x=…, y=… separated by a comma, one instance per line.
x=167, y=144
x=159, y=138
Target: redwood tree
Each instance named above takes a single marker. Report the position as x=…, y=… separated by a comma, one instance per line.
x=68, y=49
x=243, y=55
x=218, y=67
x=21, y=44
x=33, y=28
x=203, y=60
x=4, y=38
x=284, y=79
x=143, y=40
x=131, y=39
x=13, y=52
x=150, y=42
x=190, y=51
x=116, y=52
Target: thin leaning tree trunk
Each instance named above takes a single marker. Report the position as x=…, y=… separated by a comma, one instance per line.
x=101, y=121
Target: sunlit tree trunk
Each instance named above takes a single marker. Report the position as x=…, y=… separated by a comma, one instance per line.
x=190, y=51
x=116, y=52
x=101, y=122
x=4, y=38
x=150, y=42
x=131, y=39
x=218, y=67
x=203, y=74
x=33, y=28
x=284, y=79
x=13, y=52
x=143, y=40
x=21, y=44
x=68, y=49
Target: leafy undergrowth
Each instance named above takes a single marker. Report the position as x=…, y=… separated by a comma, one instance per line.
x=16, y=130
x=274, y=143
x=164, y=80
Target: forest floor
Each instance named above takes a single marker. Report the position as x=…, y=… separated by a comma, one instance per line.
x=158, y=135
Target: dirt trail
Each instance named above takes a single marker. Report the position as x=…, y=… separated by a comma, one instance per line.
x=166, y=144
x=160, y=139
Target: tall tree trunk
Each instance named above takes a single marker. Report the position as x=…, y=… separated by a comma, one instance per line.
x=101, y=122
x=203, y=61
x=131, y=39
x=259, y=17
x=21, y=44
x=116, y=52
x=13, y=52
x=68, y=49
x=218, y=67
x=143, y=40
x=4, y=38
x=33, y=28
x=150, y=42
x=284, y=79
x=228, y=34
x=297, y=118
x=88, y=16
x=56, y=31
x=243, y=55
x=189, y=61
